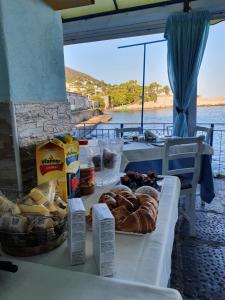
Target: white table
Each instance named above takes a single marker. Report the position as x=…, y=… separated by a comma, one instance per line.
x=144, y=259
x=138, y=151
x=35, y=282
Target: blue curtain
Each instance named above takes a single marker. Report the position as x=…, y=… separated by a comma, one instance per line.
x=187, y=35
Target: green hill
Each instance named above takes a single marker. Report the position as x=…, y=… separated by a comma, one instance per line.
x=73, y=76
x=121, y=94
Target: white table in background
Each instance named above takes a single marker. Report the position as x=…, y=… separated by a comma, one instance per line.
x=137, y=151
x=139, y=258
x=35, y=282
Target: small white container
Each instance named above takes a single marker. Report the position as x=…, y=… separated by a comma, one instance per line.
x=76, y=231
x=104, y=239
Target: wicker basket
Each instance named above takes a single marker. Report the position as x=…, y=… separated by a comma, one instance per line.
x=37, y=242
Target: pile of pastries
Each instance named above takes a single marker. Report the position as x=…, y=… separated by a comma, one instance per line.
x=135, y=180
x=42, y=209
x=133, y=212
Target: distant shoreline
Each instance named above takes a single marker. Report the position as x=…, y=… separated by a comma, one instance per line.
x=116, y=109
x=165, y=102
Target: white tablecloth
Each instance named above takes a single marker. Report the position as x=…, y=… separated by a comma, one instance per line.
x=143, y=259
x=35, y=282
x=136, y=152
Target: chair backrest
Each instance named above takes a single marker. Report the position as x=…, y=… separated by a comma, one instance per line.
x=169, y=130
x=121, y=131
x=206, y=131
x=183, y=148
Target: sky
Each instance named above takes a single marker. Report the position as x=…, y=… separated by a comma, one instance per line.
x=104, y=61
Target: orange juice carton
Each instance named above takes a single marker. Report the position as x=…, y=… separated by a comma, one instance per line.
x=58, y=159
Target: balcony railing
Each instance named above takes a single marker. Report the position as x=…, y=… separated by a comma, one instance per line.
x=108, y=130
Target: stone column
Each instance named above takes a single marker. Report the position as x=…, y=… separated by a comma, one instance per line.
x=33, y=102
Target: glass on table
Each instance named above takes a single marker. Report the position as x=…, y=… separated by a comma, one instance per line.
x=106, y=156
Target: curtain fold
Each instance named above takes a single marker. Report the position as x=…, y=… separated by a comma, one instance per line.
x=187, y=35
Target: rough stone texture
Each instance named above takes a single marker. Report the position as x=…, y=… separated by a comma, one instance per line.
x=8, y=177
x=38, y=121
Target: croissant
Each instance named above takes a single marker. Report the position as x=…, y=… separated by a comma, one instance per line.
x=111, y=193
x=140, y=221
x=120, y=213
x=146, y=198
x=149, y=208
x=131, y=197
x=109, y=200
x=122, y=201
x=132, y=212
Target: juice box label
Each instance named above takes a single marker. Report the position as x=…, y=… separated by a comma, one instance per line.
x=51, y=164
x=59, y=161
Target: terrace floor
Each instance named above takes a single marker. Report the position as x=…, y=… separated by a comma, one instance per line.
x=198, y=264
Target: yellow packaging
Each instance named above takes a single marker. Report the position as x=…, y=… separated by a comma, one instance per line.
x=58, y=159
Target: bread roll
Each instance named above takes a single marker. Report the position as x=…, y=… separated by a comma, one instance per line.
x=34, y=209
x=38, y=196
x=148, y=190
x=120, y=188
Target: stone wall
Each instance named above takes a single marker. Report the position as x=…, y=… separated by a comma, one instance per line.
x=8, y=175
x=38, y=121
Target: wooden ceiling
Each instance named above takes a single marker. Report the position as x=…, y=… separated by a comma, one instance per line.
x=65, y=4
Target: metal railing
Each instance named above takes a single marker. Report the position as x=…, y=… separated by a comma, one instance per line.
x=108, y=130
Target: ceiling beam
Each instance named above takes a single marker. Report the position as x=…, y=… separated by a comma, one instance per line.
x=124, y=10
x=64, y=4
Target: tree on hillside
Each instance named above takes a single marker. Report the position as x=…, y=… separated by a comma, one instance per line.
x=125, y=93
x=166, y=90
x=154, y=88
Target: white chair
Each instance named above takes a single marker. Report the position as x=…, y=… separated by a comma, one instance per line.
x=169, y=130
x=206, y=131
x=120, y=131
x=183, y=148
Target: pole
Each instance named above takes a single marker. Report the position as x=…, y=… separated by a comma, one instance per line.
x=143, y=91
x=143, y=80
